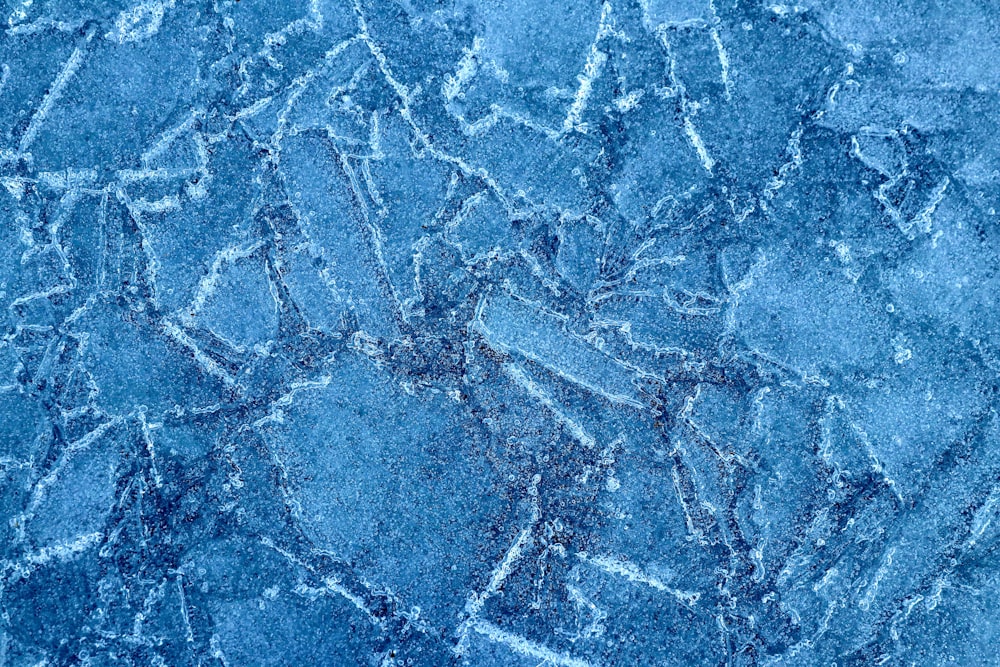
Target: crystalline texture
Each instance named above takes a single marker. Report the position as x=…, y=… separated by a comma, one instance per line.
x=499, y=332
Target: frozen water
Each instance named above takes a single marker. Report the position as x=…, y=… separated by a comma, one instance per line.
x=499, y=332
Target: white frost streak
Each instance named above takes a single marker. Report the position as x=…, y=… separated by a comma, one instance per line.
x=538, y=392
x=794, y=152
x=474, y=605
x=140, y=22
x=84, y=442
x=331, y=583
x=723, y=62
x=208, y=283
x=207, y=363
x=55, y=92
x=500, y=574
x=634, y=574
x=689, y=107
x=699, y=146
x=721, y=49
x=925, y=219
x=467, y=69
x=527, y=647
x=866, y=601
x=591, y=71
x=64, y=551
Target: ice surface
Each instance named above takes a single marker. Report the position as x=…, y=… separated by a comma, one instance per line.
x=499, y=332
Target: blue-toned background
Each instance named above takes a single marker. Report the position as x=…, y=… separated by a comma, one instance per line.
x=499, y=332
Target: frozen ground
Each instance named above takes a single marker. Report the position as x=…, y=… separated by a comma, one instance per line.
x=499, y=332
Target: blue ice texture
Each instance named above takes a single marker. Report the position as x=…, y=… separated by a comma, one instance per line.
x=559, y=333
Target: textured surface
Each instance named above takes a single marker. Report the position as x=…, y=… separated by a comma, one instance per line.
x=499, y=332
